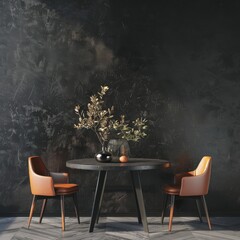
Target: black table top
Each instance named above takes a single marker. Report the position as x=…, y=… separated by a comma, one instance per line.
x=133, y=164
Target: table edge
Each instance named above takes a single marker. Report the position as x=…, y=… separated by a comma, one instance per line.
x=117, y=166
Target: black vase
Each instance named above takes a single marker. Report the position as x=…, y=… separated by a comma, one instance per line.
x=103, y=156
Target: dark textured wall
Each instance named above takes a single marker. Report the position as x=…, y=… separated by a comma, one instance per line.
x=177, y=63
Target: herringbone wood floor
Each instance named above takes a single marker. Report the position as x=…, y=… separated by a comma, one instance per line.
x=119, y=228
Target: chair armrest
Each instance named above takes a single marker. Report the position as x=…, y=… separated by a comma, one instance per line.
x=59, y=177
x=194, y=185
x=178, y=177
x=41, y=185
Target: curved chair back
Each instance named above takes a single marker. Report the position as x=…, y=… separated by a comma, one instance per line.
x=198, y=183
x=203, y=165
x=36, y=164
x=40, y=181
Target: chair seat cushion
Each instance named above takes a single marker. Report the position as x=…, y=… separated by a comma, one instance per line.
x=172, y=189
x=65, y=188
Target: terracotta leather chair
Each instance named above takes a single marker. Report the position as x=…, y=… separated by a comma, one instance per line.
x=45, y=185
x=193, y=184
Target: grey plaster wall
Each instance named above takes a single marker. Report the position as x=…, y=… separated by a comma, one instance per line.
x=177, y=63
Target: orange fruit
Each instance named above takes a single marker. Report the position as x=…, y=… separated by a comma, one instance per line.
x=123, y=158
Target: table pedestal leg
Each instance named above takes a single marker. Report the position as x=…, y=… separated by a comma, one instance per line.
x=97, y=198
x=101, y=197
x=135, y=195
x=139, y=194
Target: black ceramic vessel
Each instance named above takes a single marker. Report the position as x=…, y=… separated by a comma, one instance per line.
x=103, y=157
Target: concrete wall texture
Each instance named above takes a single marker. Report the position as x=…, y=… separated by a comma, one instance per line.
x=177, y=63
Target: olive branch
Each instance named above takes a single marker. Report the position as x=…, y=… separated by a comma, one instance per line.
x=101, y=121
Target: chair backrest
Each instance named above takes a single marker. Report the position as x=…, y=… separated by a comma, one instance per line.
x=203, y=165
x=198, y=184
x=41, y=183
x=38, y=166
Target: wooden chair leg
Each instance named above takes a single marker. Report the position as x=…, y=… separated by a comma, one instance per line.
x=43, y=209
x=164, y=206
x=76, y=206
x=171, y=212
x=62, y=212
x=206, y=212
x=31, y=210
x=199, y=210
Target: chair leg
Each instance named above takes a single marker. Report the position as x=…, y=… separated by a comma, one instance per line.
x=76, y=206
x=199, y=210
x=31, y=210
x=43, y=209
x=62, y=213
x=164, y=206
x=206, y=212
x=171, y=213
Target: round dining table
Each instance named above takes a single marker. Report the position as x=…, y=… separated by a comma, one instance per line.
x=134, y=166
